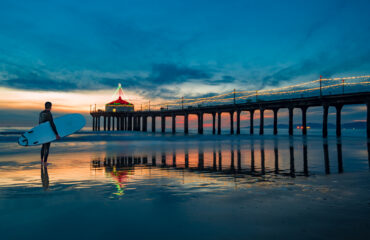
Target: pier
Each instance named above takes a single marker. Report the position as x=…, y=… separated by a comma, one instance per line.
x=137, y=120
x=288, y=99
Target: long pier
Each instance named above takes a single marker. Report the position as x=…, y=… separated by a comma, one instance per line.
x=138, y=120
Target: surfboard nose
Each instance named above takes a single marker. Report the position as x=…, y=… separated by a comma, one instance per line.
x=20, y=140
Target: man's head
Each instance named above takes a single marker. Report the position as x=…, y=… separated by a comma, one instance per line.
x=48, y=106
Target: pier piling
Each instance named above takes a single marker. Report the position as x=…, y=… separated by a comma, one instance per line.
x=290, y=109
x=153, y=123
x=219, y=123
x=251, y=130
x=275, y=111
x=238, y=122
x=232, y=122
x=173, y=123
x=338, y=118
x=213, y=123
x=261, y=121
x=304, y=120
x=325, y=121
x=163, y=124
x=186, y=124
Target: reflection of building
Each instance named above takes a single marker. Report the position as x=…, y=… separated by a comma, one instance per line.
x=119, y=105
x=117, y=172
x=120, y=177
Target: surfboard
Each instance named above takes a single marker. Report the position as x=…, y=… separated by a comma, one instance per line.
x=43, y=133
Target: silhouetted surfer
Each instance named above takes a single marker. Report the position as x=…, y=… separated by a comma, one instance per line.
x=45, y=116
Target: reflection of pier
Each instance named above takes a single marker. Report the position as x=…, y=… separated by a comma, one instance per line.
x=214, y=161
x=138, y=120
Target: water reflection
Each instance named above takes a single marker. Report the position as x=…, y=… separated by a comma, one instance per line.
x=305, y=163
x=253, y=159
x=368, y=151
x=340, y=160
x=276, y=155
x=44, y=177
x=326, y=156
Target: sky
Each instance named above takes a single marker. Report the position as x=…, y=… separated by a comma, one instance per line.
x=74, y=53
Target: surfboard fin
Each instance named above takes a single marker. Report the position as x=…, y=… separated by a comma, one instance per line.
x=25, y=139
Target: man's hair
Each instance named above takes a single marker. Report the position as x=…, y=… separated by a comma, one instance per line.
x=48, y=105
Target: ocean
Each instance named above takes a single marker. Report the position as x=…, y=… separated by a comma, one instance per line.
x=135, y=185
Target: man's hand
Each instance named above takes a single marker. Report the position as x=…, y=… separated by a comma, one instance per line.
x=58, y=137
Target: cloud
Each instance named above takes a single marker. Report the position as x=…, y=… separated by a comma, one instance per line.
x=36, y=83
x=21, y=77
x=211, y=94
x=323, y=20
x=303, y=68
x=171, y=73
x=321, y=64
x=161, y=81
x=223, y=80
x=156, y=83
x=161, y=74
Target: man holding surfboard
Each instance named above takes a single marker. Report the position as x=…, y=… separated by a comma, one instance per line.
x=45, y=116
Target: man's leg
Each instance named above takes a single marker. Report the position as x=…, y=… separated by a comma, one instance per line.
x=46, y=152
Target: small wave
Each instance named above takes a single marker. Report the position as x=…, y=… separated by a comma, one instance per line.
x=11, y=133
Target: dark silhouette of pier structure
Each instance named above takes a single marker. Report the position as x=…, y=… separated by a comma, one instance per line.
x=235, y=161
x=137, y=120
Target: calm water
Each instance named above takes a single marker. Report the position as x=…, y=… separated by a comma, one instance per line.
x=141, y=186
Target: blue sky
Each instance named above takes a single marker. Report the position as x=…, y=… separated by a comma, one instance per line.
x=166, y=49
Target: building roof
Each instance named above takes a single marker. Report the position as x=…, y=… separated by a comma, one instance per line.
x=119, y=101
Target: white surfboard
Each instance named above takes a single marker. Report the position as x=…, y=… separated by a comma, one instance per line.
x=43, y=133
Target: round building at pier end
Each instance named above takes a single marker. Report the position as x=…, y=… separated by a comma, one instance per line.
x=119, y=105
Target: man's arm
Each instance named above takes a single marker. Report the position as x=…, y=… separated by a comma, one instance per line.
x=53, y=125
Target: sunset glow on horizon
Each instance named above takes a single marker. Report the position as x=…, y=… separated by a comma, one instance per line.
x=76, y=101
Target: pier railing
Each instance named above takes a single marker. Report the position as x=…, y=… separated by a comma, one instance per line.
x=319, y=87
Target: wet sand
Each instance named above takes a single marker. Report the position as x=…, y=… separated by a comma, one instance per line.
x=138, y=187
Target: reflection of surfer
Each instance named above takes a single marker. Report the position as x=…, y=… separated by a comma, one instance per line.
x=45, y=116
x=45, y=177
